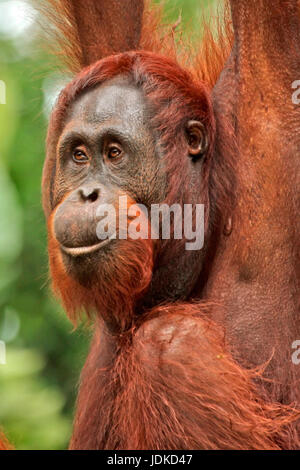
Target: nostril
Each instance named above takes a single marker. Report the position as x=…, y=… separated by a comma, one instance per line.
x=88, y=194
x=93, y=196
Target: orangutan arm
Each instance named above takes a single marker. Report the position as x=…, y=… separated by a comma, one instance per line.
x=267, y=36
x=172, y=385
x=88, y=30
x=186, y=392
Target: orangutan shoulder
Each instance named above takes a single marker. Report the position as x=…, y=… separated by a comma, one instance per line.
x=175, y=337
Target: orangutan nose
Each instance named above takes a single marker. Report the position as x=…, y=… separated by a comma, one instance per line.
x=88, y=194
x=75, y=218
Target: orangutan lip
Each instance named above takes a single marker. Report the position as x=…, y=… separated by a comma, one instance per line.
x=84, y=250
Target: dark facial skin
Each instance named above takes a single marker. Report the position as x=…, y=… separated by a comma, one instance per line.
x=112, y=115
x=106, y=149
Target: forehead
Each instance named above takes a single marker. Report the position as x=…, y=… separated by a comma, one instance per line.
x=116, y=101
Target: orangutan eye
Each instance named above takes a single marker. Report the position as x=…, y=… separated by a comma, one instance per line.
x=114, y=152
x=79, y=156
x=197, y=138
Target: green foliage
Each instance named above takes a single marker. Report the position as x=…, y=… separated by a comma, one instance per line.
x=190, y=11
x=44, y=357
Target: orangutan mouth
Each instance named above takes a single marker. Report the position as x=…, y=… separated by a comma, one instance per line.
x=84, y=250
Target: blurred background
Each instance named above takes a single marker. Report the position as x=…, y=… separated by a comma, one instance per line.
x=44, y=355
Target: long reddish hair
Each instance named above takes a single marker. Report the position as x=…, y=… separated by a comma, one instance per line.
x=173, y=97
x=4, y=444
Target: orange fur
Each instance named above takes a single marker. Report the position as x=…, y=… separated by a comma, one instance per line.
x=120, y=282
x=4, y=444
x=161, y=379
x=204, y=60
x=203, y=404
x=172, y=384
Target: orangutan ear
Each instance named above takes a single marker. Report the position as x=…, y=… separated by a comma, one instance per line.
x=197, y=138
